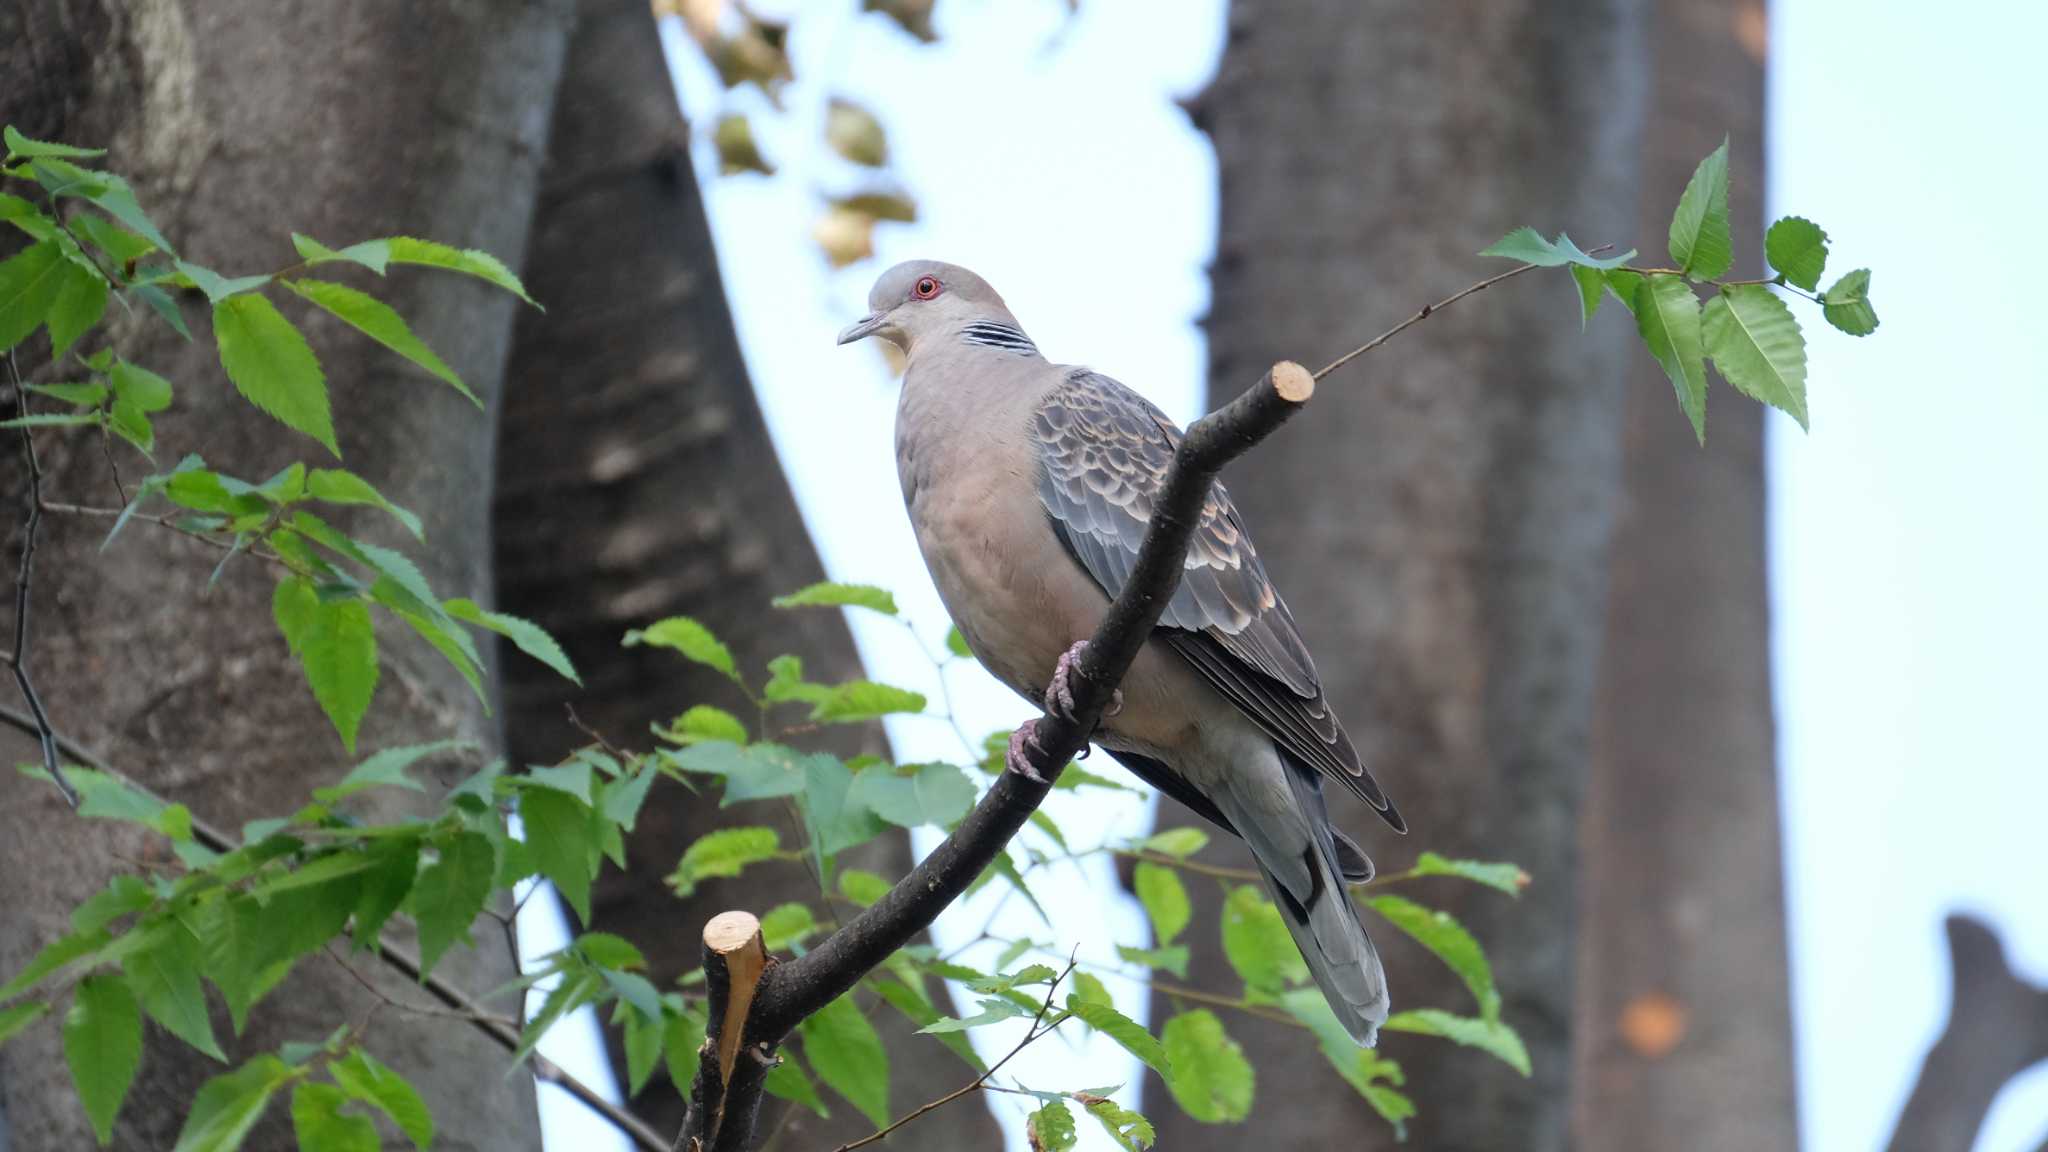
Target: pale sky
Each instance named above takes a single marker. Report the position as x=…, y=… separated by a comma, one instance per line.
x=1905, y=612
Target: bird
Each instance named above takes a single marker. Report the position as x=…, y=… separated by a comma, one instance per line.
x=1029, y=486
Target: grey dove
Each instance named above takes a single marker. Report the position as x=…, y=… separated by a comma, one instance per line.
x=1029, y=485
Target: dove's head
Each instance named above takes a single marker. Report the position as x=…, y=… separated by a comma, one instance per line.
x=921, y=298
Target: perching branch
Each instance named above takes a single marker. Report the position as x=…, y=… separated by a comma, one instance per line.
x=399, y=958
x=23, y=579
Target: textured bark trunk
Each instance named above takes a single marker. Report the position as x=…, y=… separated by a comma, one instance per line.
x=344, y=122
x=1684, y=1021
x=637, y=481
x=1440, y=524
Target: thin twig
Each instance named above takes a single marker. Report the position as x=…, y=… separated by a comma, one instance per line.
x=24, y=578
x=113, y=467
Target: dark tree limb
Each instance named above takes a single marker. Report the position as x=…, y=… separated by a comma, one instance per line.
x=24, y=579
x=1997, y=1028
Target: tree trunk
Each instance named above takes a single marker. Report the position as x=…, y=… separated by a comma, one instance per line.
x=343, y=122
x=1684, y=1020
x=637, y=481
x=1440, y=525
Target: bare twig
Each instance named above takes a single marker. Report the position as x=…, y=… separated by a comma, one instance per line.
x=24, y=577
x=1997, y=1028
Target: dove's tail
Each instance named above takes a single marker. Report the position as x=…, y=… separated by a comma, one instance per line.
x=1339, y=954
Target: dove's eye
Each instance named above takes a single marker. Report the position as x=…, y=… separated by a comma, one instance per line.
x=925, y=288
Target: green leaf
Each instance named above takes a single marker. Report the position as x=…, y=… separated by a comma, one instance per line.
x=1257, y=943
x=624, y=797
x=469, y=261
x=336, y=646
x=377, y=320
x=679, y=1043
x=786, y=682
x=385, y=886
x=104, y=796
x=643, y=1047
x=319, y=1125
x=21, y=147
x=1755, y=342
x=858, y=701
x=1847, y=304
x=1699, y=228
x=365, y=1078
x=847, y=1055
x=993, y=1011
x=1798, y=249
x=123, y=248
x=1451, y=943
x=29, y=283
x=52, y=420
x=788, y=1081
x=956, y=643
x=1089, y=989
x=167, y=309
x=1622, y=284
x=165, y=978
x=106, y=191
x=1051, y=1128
x=88, y=395
x=558, y=833
x=271, y=364
x=53, y=956
x=339, y=486
x=1173, y=958
x=16, y=1017
x=913, y=795
x=1487, y=1035
x=755, y=772
x=832, y=595
x=1028, y=975
x=450, y=893
x=1165, y=900
x=1179, y=843
x=1364, y=1069
x=1132, y=1132
x=371, y=254
x=694, y=641
x=122, y=895
x=80, y=302
x=1508, y=878
x=786, y=925
x=216, y=286
x=722, y=853
x=1122, y=1029
x=862, y=887
x=103, y=1046
x=1211, y=1080
x=837, y=819
x=1529, y=246
x=525, y=635
x=1668, y=318
x=1592, y=288
x=229, y=1105
x=703, y=722
x=386, y=769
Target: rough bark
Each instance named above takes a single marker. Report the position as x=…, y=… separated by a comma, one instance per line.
x=1684, y=1022
x=636, y=481
x=1440, y=526
x=345, y=122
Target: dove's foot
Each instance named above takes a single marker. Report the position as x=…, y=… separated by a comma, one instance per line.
x=1023, y=745
x=1061, y=697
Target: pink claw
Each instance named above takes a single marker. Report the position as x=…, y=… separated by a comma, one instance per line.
x=1023, y=743
x=1061, y=698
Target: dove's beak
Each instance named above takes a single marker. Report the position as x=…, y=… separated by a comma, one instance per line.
x=863, y=328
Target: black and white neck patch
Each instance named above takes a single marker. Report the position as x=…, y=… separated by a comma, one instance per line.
x=994, y=334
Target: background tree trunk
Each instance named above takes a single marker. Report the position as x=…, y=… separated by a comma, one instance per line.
x=636, y=481
x=344, y=122
x=1684, y=1036
x=1440, y=526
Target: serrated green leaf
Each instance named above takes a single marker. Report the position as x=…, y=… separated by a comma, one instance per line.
x=87, y=395
x=1172, y=958
x=1486, y=1035
x=1211, y=1080
x=753, y=772
x=837, y=818
x=386, y=769
x=1756, y=343
x=52, y=956
x=229, y=1105
x=1125, y=1031
x=337, y=647
x=847, y=1055
x=858, y=701
x=105, y=796
x=787, y=925
x=1798, y=249
x=272, y=366
x=788, y=1081
x=52, y=420
x=122, y=247
x=1846, y=305
x=1132, y=1132
x=1668, y=319
x=1179, y=843
x=1165, y=900
x=339, y=486
x=217, y=287
x=680, y=1040
x=643, y=1047
x=371, y=254
x=1373, y=1076
x=365, y=1078
x=29, y=283
x=575, y=989
x=380, y=322
x=914, y=795
x=693, y=640
x=1504, y=877
x=862, y=887
x=1449, y=941
x=80, y=302
x=469, y=261
x=558, y=833
x=1089, y=989
x=318, y=1122
x=1592, y=288
x=723, y=853
x=1622, y=285
x=834, y=595
x=122, y=895
x=525, y=635
x=20, y=147
x=624, y=797
x=1051, y=1128
x=386, y=884
x=139, y=387
x=1528, y=246
x=165, y=978
x=992, y=1011
x=1257, y=943
x=16, y=1017
x=1700, y=245
x=450, y=893
x=703, y=722
x=103, y=1046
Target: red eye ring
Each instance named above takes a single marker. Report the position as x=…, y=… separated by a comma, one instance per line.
x=925, y=288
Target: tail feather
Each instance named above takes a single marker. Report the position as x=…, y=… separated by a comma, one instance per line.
x=1340, y=955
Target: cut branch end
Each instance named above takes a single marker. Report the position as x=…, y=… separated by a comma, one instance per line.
x=1293, y=382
